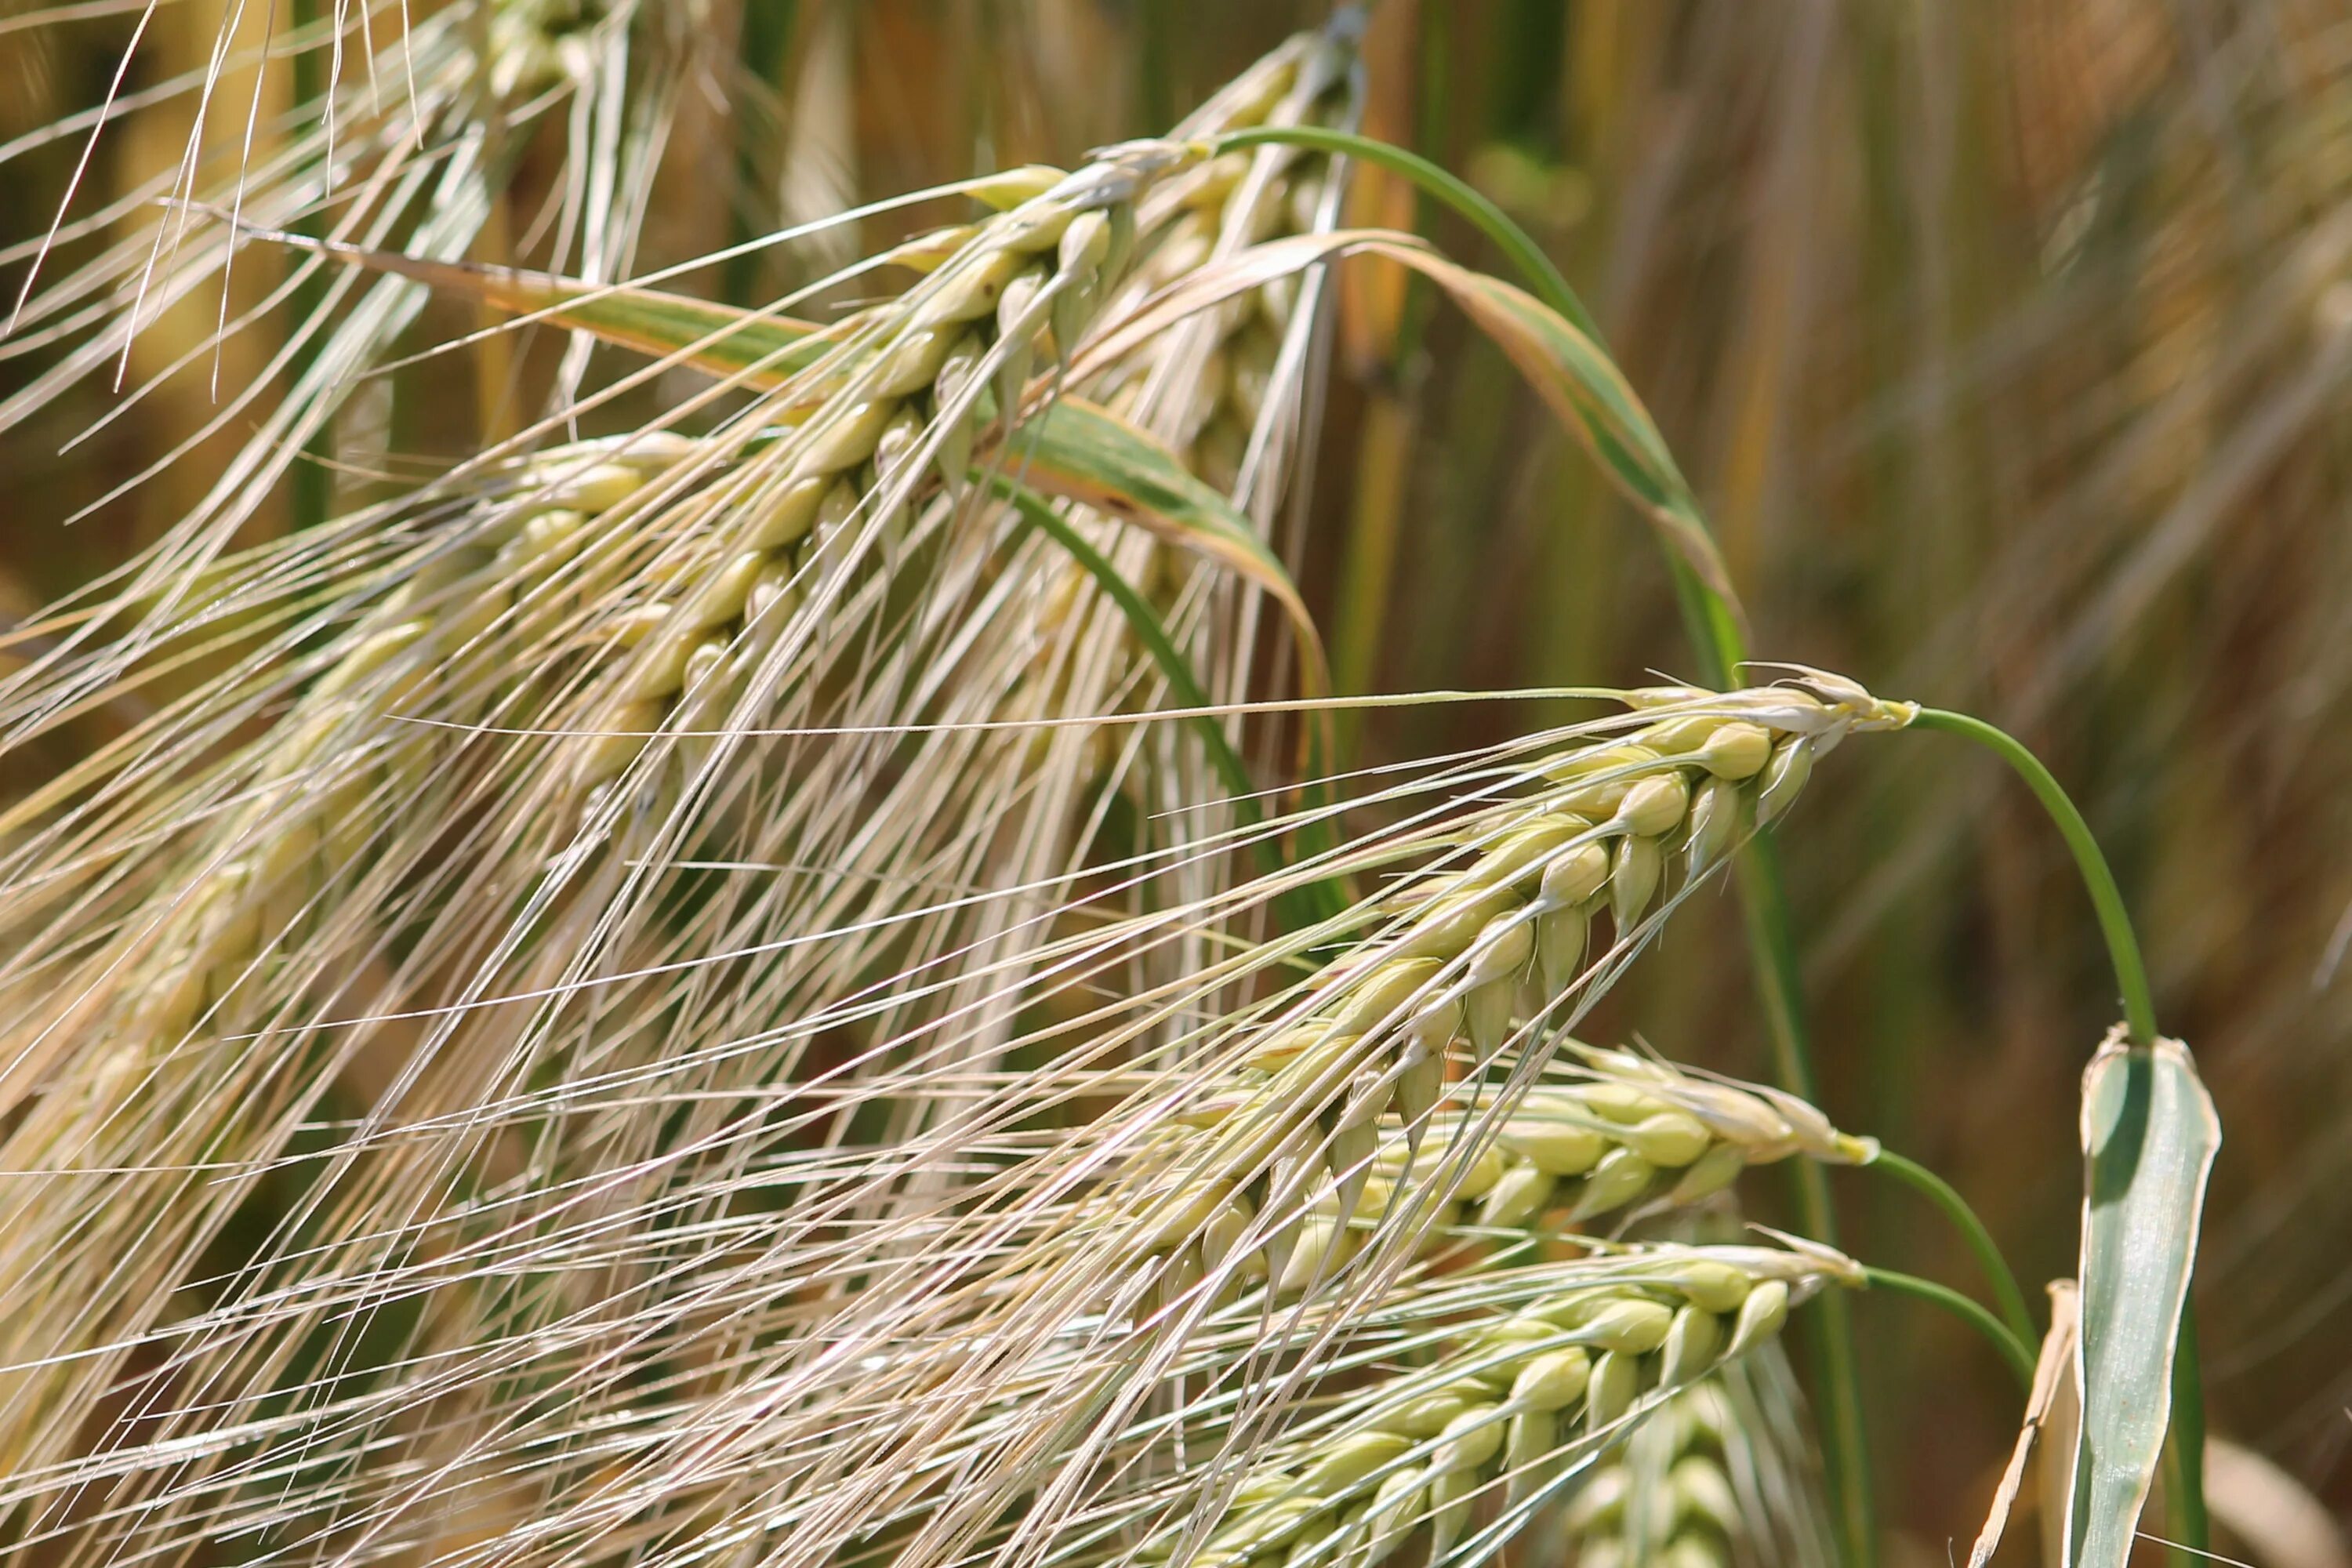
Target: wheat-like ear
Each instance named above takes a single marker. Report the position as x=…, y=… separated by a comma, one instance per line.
x=1315, y=1067
x=1707, y=1481
x=1008, y=1324
x=315, y=942
x=1517, y=1399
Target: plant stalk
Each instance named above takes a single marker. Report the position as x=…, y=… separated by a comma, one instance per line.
x=2185, y=1516
x=1301, y=905
x=2013, y=1350
x=1488, y=219
x=2115, y=922
x=311, y=498
x=2185, y=1461
x=2007, y=1296
x=763, y=50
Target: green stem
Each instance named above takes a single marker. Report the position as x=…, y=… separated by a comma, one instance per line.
x=1490, y=220
x=762, y=51
x=1299, y=905
x=1721, y=649
x=1947, y=1197
x=2186, y=1454
x=2114, y=923
x=2013, y=1349
x=1145, y=623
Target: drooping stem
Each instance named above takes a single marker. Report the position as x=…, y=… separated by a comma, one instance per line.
x=1720, y=649
x=2115, y=922
x=2007, y=1296
x=1490, y=220
x=2187, y=1452
x=2013, y=1349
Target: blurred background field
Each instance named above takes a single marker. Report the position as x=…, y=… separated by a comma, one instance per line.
x=2006, y=340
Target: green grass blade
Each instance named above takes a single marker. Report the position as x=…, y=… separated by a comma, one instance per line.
x=1303, y=905
x=2012, y=1350
x=1148, y=629
x=1568, y=369
x=1464, y=198
x=2149, y=1135
x=1085, y=453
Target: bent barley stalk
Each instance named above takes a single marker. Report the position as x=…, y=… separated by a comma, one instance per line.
x=858, y=459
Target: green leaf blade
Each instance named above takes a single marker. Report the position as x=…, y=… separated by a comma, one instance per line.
x=2149, y=1136
x=1085, y=453
x=1569, y=371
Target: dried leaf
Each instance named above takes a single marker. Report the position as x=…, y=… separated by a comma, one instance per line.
x=2053, y=1368
x=757, y=349
x=1085, y=453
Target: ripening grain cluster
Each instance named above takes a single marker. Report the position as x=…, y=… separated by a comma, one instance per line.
x=782, y=963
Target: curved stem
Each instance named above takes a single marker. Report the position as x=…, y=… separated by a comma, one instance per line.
x=1145, y=623
x=2012, y=1350
x=2005, y=1294
x=1720, y=648
x=1490, y=220
x=2114, y=923
x=1300, y=906
x=2186, y=1458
